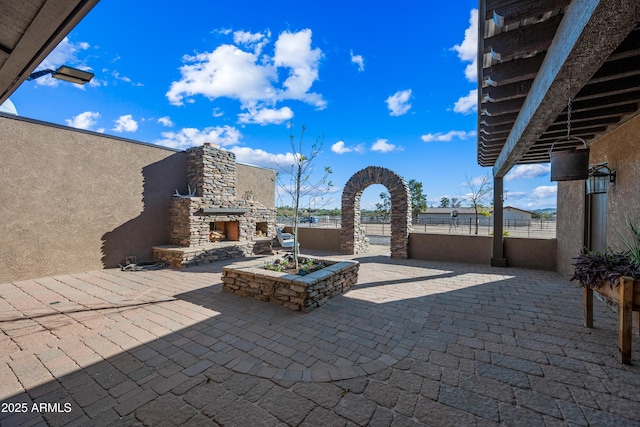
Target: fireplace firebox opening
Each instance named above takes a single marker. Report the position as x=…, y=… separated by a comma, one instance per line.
x=224, y=231
x=262, y=229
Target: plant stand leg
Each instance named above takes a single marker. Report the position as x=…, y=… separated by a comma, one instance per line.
x=588, y=307
x=625, y=312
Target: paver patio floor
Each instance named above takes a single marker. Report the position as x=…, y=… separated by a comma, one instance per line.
x=414, y=343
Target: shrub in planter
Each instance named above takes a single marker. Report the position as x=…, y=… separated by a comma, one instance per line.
x=595, y=269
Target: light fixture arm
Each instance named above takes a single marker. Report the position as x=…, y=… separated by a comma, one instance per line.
x=39, y=74
x=66, y=73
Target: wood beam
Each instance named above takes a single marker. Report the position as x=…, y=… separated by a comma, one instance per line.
x=590, y=31
x=522, y=41
x=507, y=92
x=513, y=71
x=502, y=107
x=512, y=11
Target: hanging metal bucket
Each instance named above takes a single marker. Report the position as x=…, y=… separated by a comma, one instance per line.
x=569, y=164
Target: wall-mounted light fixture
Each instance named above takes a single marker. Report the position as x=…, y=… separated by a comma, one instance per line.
x=600, y=177
x=66, y=73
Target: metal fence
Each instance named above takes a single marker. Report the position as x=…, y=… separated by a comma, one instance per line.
x=539, y=229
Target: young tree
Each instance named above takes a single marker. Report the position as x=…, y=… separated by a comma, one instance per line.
x=479, y=196
x=384, y=208
x=300, y=182
x=418, y=198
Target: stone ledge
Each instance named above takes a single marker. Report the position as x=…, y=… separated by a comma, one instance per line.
x=184, y=256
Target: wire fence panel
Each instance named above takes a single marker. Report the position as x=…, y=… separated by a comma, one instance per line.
x=535, y=229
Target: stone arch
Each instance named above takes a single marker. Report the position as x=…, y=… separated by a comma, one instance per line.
x=352, y=238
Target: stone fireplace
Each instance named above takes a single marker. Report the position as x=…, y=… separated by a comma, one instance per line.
x=214, y=223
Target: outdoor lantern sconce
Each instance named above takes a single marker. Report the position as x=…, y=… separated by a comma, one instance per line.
x=600, y=176
x=66, y=73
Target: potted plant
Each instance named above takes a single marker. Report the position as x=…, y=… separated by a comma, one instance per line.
x=615, y=276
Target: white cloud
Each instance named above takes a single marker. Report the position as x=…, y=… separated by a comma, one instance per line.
x=254, y=41
x=217, y=112
x=383, y=146
x=528, y=171
x=514, y=195
x=125, y=79
x=340, y=148
x=293, y=51
x=358, y=60
x=266, y=116
x=468, y=49
x=226, y=72
x=447, y=137
x=544, y=191
x=65, y=53
x=252, y=77
x=126, y=124
x=467, y=104
x=84, y=120
x=191, y=137
x=165, y=121
x=258, y=157
x=398, y=103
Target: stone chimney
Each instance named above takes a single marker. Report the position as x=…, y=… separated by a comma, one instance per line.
x=213, y=172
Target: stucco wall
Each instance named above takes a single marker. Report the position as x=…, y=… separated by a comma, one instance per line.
x=569, y=224
x=259, y=181
x=449, y=247
x=321, y=239
x=537, y=254
x=73, y=201
x=621, y=149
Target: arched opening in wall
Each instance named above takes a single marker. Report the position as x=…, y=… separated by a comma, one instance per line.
x=375, y=216
x=352, y=233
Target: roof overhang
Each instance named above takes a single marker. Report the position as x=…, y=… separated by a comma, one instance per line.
x=29, y=31
x=534, y=56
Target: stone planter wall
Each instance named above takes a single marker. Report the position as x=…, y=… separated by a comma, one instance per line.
x=302, y=293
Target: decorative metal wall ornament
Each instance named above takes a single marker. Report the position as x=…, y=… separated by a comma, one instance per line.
x=571, y=163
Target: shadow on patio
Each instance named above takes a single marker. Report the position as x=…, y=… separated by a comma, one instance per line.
x=414, y=342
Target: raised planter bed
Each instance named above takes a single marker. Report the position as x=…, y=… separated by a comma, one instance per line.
x=627, y=297
x=302, y=293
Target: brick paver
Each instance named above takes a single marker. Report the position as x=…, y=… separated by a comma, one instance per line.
x=415, y=343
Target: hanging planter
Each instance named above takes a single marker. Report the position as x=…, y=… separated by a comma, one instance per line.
x=569, y=164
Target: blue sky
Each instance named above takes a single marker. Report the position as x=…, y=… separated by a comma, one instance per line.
x=391, y=86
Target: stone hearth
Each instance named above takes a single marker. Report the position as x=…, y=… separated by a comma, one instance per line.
x=214, y=223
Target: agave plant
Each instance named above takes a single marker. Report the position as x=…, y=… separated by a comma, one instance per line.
x=633, y=244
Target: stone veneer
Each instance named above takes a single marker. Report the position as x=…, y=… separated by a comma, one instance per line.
x=211, y=172
x=352, y=239
x=302, y=293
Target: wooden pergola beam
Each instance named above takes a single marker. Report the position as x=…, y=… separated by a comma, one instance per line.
x=509, y=12
x=578, y=40
x=522, y=41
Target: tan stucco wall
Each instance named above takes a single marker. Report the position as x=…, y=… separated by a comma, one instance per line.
x=448, y=247
x=72, y=201
x=537, y=254
x=321, y=239
x=621, y=149
x=259, y=181
x=569, y=224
